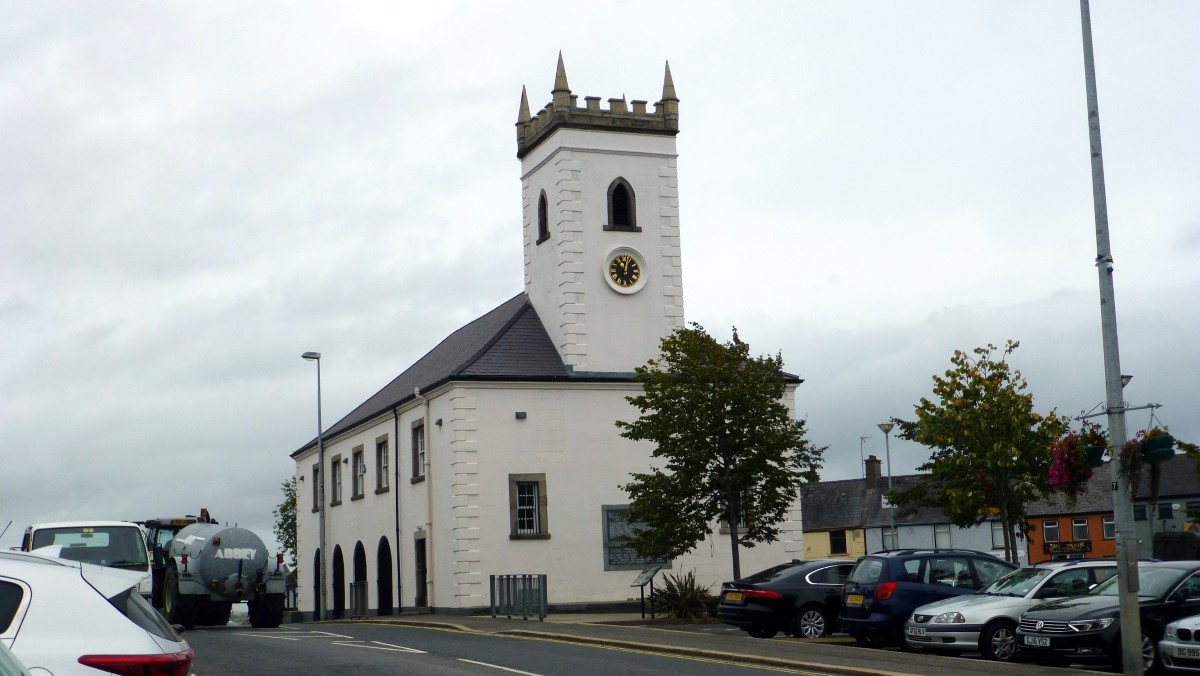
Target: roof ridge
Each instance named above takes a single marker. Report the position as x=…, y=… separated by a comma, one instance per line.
x=500, y=333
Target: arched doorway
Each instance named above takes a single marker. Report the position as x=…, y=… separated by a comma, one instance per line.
x=317, y=585
x=338, y=605
x=358, y=588
x=383, y=580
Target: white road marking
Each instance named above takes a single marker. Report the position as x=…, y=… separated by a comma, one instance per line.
x=294, y=635
x=387, y=646
x=497, y=666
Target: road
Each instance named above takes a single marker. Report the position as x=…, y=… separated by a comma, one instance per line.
x=353, y=649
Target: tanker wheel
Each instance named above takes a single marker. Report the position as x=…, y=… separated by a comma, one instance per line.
x=177, y=609
x=267, y=611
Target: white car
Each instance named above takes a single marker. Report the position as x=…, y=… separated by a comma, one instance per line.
x=68, y=617
x=1180, y=647
x=116, y=544
x=986, y=621
x=11, y=666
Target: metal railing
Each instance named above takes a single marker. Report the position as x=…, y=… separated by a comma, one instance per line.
x=358, y=599
x=523, y=595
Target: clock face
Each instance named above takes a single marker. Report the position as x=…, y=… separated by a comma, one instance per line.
x=624, y=270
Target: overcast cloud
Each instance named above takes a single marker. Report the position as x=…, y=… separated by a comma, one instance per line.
x=191, y=195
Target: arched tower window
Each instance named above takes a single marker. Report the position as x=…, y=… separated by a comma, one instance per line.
x=622, y=207
x=543, y=225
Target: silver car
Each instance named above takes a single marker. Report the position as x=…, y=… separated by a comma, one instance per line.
x=986, y=621
x=67, y=617
x=1180, y=647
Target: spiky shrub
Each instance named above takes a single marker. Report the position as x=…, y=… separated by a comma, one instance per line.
x=683, y=598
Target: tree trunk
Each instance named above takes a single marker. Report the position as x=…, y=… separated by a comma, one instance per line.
x=1010, y=549
x=733, y=542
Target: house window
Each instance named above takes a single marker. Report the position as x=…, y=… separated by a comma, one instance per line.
x=418, y=453
x=622, y=207
x=1108, y=525
x=941, y=536
x=1050, y=531
x=335, y=477
x=358, y=473
x=837, y=542
x=316, y=487
x=1079, y=529
x=1193, y=509
x=997, y=535
x=382, y=463
x=888, y=538
x=527, y=507
x=1139, y=512
x=1166, y=510
x=542, y=222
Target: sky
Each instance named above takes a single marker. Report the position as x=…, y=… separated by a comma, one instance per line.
x=192, y=195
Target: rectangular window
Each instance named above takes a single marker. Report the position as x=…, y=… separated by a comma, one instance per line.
x=1079, y=529
x=837, y=542
x=1139, y=512
x=1050, y=531
x=527, y=507
x=941, y=536
x=1109, y=525
x=381, y=464
x=316, y=487
x=888, y=537
x=997, y=535
x=1166, y=510
x=418, y=453
x=335, y=478
x=359, y=473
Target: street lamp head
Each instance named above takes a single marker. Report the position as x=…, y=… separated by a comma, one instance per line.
x=1125, y=380
x=311, y=356
x=886, y=427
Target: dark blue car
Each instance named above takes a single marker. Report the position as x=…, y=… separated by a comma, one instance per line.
x=884, y=588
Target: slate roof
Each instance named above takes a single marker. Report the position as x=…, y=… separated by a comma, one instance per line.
x=1178, y=480
x=834, y=505
x=508, y=343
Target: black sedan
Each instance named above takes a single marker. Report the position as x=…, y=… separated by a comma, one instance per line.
x=801, y=598
x=1088, y=628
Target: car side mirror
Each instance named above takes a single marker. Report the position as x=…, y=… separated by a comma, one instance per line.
x=1180, y=596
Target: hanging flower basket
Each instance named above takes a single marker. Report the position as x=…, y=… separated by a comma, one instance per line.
x=1072, y=461
x=1157, y=448
x=1095, y=456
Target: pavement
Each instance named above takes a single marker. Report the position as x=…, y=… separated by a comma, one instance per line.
x=832, y=655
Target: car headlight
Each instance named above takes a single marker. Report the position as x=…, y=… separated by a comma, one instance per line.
x=949, y=618
x=1092, y=625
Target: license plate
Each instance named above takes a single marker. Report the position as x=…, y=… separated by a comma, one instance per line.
x=733, y=597
x=1038, y=641
x=854, y=600
x=1185, y=651
x=916, y=631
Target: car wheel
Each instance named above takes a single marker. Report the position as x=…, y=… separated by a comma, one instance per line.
x=810, y=622
x=1150, y=655
x=870, y=640
x=762, y=633
x=998, y=641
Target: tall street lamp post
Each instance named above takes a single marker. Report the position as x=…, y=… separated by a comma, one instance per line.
x=886, y=428
x=321, y=597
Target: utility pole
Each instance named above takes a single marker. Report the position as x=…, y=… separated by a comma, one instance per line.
x=1127, y=544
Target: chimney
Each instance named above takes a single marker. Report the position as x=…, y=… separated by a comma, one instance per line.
x=874, y=470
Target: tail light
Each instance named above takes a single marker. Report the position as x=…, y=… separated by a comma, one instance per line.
x=171, y=664
x=760, y=594
x=885, y=590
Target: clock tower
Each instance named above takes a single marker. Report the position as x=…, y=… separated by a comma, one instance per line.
x=600, y=205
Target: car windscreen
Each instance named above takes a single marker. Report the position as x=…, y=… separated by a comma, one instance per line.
x=132, y=605
x=1151, y=582
x=1019, y=582
x=869, y=570
x=116, y=546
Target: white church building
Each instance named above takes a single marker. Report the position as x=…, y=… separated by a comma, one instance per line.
x=496, y=453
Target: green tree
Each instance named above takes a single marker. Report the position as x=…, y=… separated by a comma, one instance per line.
x=730, y=447
x=285, y=521
x=991, y=450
